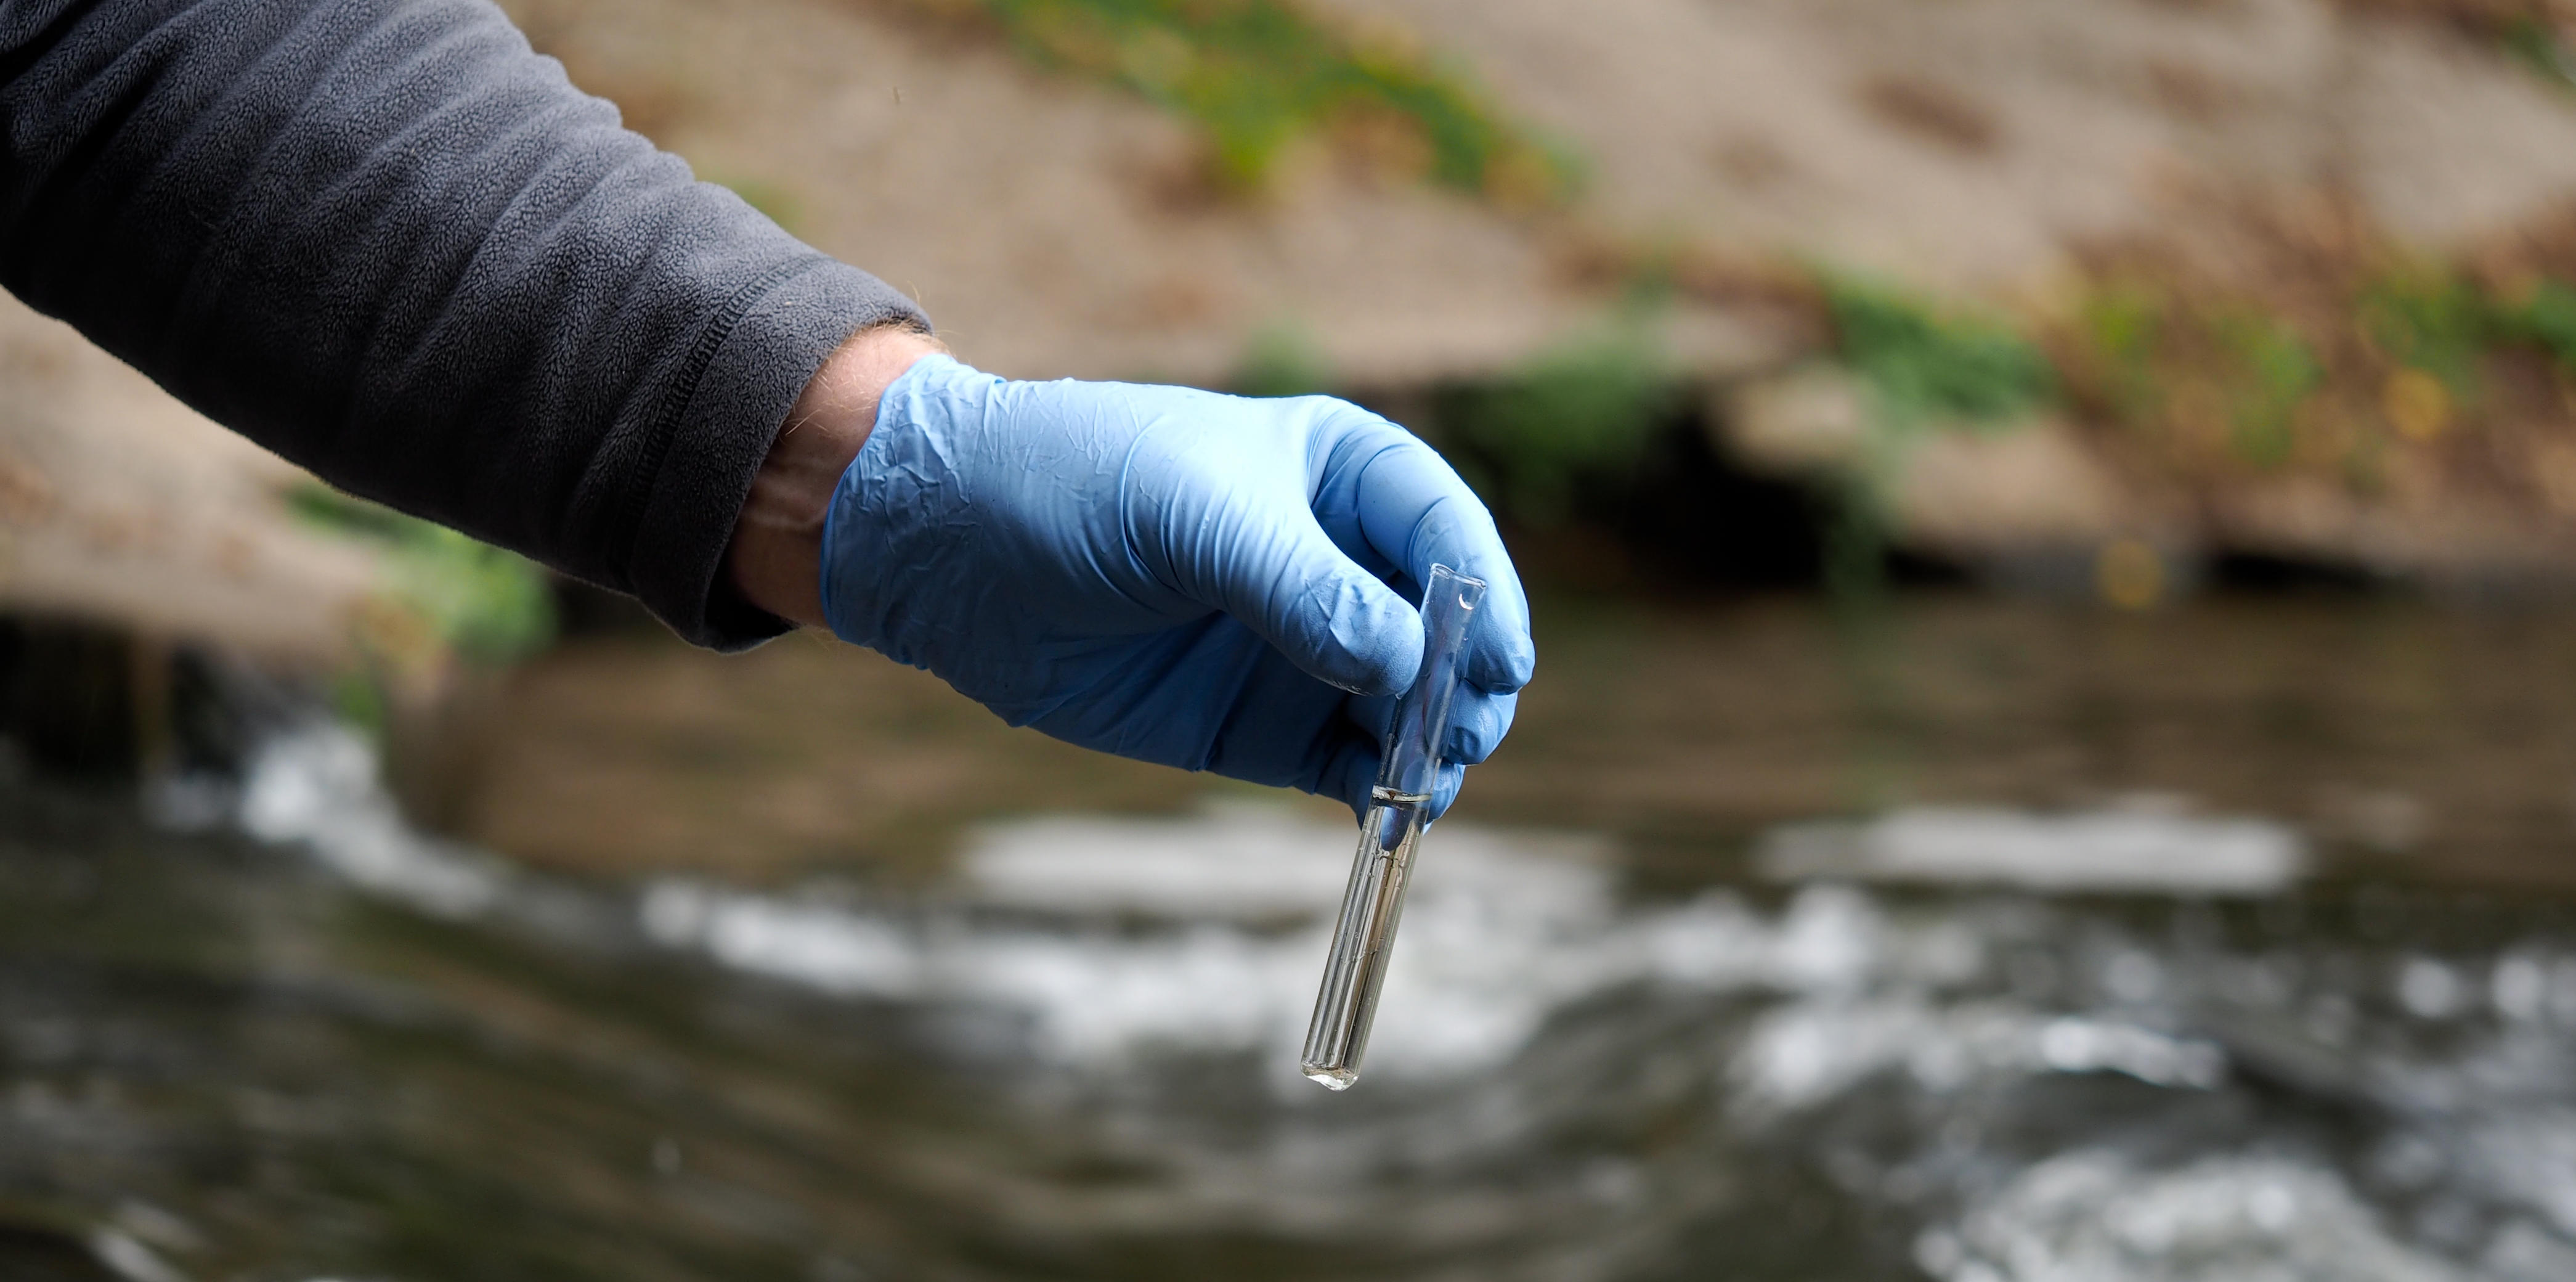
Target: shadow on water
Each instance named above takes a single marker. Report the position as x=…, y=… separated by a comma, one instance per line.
x=1683, y=991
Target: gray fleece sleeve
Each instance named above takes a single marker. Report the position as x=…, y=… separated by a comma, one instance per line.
x=386, y=240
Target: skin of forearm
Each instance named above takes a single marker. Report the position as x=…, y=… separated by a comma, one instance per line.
x=776, y=556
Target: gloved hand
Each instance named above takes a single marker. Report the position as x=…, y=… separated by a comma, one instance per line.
x=1173, y=575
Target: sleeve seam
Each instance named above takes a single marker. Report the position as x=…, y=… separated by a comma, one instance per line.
x=673, y=405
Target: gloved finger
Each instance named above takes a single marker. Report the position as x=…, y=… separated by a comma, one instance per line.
x=1445, y=791
x=1416, y=511
x=1271, y=566
x=1331, y=618
x=1477, y=722
x=1372, y=715
x=1350, y=770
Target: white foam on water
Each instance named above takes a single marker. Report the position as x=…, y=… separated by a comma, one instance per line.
x=2121, y=850
x=2072, y=1044
x=1498, y=932
x=1120, y=940
x=1807, y=1053
x=838, y=951
x=2523, y=1253
x=1266, y=866
x=2095, y=1216
x=130, y=1259
x=1099, y=1003
x=317, y=787
x=1501, y=931
x=2529, y=1156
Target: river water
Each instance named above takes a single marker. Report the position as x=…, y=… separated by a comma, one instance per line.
x=1978, y=942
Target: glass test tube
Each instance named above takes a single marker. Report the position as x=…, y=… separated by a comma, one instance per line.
x=1364, y=937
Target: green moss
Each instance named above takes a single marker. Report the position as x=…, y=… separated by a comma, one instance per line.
x=1927, y=363
x=1256, y=75
x=487, y=604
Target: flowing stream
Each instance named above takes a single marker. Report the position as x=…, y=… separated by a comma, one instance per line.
x=268, y=1031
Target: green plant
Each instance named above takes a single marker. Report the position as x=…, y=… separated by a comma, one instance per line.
x=2547, y=320
x=487, y=604
x=1282, y=360
x=2269, y=371
x=357, y=697
x=2435, y=321
x=2118, y=331
x=2538, y=45
x=1926, y=364
x=770, y=198
x=1584, y=411
x=1256, y=75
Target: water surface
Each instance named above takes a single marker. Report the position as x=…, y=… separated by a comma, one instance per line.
x=2005, y=943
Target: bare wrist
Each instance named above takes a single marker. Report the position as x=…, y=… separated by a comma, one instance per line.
x=776, y=557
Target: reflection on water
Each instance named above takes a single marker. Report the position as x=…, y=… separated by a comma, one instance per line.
x=1074, y=1056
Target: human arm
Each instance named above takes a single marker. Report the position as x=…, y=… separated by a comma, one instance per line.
x=1026, y=542
x=389, y=242
x=386, y=240
x=776, y=557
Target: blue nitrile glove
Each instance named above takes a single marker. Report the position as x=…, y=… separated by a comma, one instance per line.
x=1173, y=575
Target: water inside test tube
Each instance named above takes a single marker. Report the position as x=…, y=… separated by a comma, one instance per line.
x=1373, y=903
x=1346, y=1006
